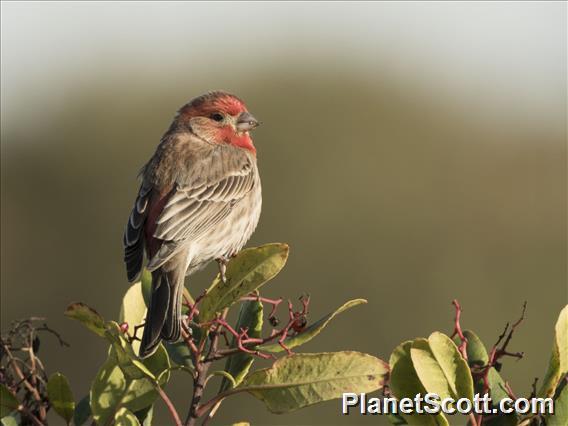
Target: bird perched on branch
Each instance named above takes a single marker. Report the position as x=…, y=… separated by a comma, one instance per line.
x=200, y=200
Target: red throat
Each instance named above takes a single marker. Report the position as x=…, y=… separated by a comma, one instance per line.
x=227, y=135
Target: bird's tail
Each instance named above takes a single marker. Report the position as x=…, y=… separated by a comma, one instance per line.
x=163, y=320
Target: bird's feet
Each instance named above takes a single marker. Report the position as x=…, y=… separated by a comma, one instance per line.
x=222, y=262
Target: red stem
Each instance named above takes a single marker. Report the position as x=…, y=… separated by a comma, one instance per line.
x=170, y=405
x=458, y=330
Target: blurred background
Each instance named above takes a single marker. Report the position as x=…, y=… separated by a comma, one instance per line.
x=411, y=153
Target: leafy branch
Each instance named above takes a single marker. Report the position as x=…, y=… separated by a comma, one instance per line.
x=126, y=387
x=134, y=384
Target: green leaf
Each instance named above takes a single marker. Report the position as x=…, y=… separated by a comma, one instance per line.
x=301, y=380
x=108, y=390
x=61, y=396
x=87, y=316
x=226, y=376
x=159, y=364
x=476, y=352
x=441, y=368
x=145, y=416
x=478, y=357
x=112, y=389
x=82, y=412
x=132, y=367
x=552, y=376
x=8, y=401
x=11, y=420
x=453, y=364
x=560, y=416
x=396, y=419
x=246, y=272
x=238, y=365
x=133, y=311
x=128, y=361
x=133, y=307
x=179, y=353
x=124, y=417
x=401, y=352
x=313, y=330
x=404, y=383
x=562, y=339
x=558, y=363
x=428, y=370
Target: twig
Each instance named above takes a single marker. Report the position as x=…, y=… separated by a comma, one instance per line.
x=203, y=356
x=201, y=369
x=533, y=388
x=170, y=405
x=186, y=335
x=205, y=407
x=473, y=420
x=458, y=330
x=62, y=342
x=22, y=371
x=274, y=302
x=30, y=415
x=499, y=352
x=21, y=375
x=33, y=377
x=509, y=391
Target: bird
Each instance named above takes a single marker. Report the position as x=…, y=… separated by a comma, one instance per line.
x=199, y=200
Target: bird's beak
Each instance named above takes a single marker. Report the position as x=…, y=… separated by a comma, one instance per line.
x=246, y=122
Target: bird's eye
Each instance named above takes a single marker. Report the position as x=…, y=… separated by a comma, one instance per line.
x=217, y=117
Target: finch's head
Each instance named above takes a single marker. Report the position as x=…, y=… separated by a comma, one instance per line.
x=218, y=117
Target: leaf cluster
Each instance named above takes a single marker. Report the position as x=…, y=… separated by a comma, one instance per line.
x=461, y=367
x=126, y=387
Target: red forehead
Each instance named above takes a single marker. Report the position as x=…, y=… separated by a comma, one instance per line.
x=229, y=105
x=208, y=104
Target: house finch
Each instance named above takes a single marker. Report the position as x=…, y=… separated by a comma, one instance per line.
x=200, y=200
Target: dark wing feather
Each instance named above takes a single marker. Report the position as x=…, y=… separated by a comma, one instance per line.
x=134, y=234
x=192, y=211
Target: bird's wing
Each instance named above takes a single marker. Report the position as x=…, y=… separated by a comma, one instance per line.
x=134, y=233
x=193, y=208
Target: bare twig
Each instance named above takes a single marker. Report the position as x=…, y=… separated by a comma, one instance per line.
x=273, y=302
x=171, y=408
x=496, y=353
x=533, y=388
x=458, y=330
x=509, y=391
x=45, y=327
x=244, y=343
x=22, y=372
